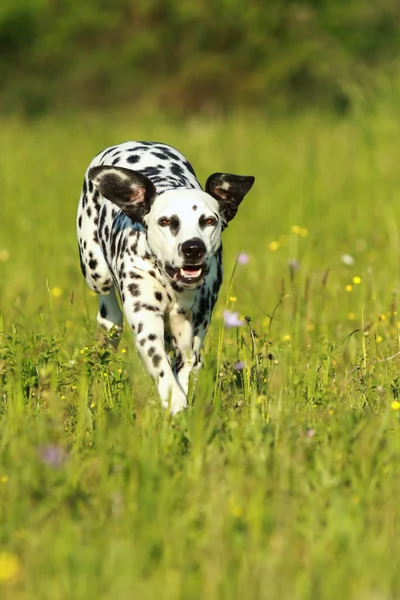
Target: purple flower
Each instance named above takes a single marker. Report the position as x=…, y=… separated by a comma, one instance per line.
x=243, y=258
x=231, y=319
x=293, y=264
x=52, y=456
x=239, y=365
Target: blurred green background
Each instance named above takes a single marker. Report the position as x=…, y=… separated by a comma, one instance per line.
x=189, y=56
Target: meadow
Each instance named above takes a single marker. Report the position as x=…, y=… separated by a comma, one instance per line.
x=282, y=479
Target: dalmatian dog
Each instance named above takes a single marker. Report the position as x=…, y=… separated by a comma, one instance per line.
x=148, y=231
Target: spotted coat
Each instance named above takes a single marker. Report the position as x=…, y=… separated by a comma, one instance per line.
x=148, y=231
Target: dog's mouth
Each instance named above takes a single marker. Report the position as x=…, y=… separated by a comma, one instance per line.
x=188, y=275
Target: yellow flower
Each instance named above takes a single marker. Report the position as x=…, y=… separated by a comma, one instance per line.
x=56, y=292
x=379, y=339
x=351, y=316
x=296, y=229
x=92, y=405
x=382, y=317
x=395, y=405
x=286, y=337
x=119, y=371
x=123, y=351
x=303, y=231
x=273, y=246
x=4, y=255
x=9, y=566
x=232, y=298
x=348, y=288
x=3, y=478
x=356, y=280
x=310, y=326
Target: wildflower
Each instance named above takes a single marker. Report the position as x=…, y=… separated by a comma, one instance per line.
x=348, y=288
x=239, y=365
x=296, y=229
x=119, y=371
x=357, y=280
x=52, y=456
x=9, y=566
x=92, y=405
x=231, y=319
x=310, y=326
x=347, y=259
x=4, y=255
x=351, y=316
x=273, y=246
x=379, y=339
x=3, y=478
x=382, y=317
x=123, y=351
x=56, y=292
x=243, y=258
x=395, y=405
x=310, y=433
x=232, y=298
x=303, y=231
x=286, y=337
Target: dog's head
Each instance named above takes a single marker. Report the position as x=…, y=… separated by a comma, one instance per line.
x=183, y=225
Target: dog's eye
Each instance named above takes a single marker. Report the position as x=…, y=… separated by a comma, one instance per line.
x=210, y=221
x=164, y=222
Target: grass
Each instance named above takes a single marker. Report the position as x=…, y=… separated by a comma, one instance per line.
x=283, y=478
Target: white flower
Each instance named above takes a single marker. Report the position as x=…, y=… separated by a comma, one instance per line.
x=347, y=259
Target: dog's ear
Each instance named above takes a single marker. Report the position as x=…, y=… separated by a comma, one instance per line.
x=131, y=191
x=229, y=190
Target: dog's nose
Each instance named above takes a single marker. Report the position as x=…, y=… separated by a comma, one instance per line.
x=193, y=249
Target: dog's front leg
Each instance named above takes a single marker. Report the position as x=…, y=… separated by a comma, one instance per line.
x=148, y=328
x=185, y=357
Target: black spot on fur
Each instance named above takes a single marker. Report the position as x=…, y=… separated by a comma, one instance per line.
x=151, y=351
x=150, y=307
x=189, y=167
x=116, y=161
x=80, y=221
x=152, y=337
x=93, y=263
x=140, y=328
x=133, y=158
x=194, y=207
x=156, y=360
x=160, y=155
x=177, y=170
x=134, y=289
x=161, y=374
x=137, y=306
x=103, y=311
x=175, y=225
x=158, y=296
